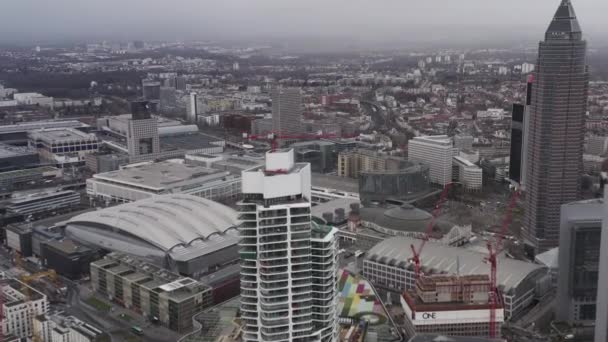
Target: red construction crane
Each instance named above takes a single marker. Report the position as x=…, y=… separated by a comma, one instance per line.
x=494, y=249
x=429, y=229
x=274, y=137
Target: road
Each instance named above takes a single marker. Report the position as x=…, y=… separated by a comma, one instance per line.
x=110, y=322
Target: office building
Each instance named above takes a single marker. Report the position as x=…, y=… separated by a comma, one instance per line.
x=18, y=178
x=388, y=264
x=192, y=108
x=557, y=125
x=601, y=316
x=437, y=152
x=320, y=154
x=144, y=180
x=143, y=140
x=42, y=201
x=189, y=235
x=579, y=257
x=63, y=146
x=463, y=142
x=597, y=145
x=454, y=305
x=17, y=134
x=17, y=311
x=155, y=292
x=288, y=264
x=352, y=163
x=150, y=90
x=467, y=173
x=287, y=111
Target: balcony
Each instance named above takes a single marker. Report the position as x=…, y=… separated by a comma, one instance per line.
x=272, y=222
x=274, y=308
x=248, y=300
x=276, y=277
x=274, y=238
x=274, y=293
x=300, y=228
x=272, y=247
x=273, y=270
x=303, y=282
x=301, y=297
x=274, y=300
x=273, y=286
x=274, y=263
x=275, y=315
x=273, y=255
x=300, y=236
x=273, y=213
x=300, y=219
x=275, y=338
x=273, y=231
x=300, y=244
x=301, y=252
x=299, y=211
x=301, y=275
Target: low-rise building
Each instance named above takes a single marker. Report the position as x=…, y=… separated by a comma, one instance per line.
x=144, y=180
x=17, y=157
x=42, y=201
x=153, y=291
x=61, y=146
x=61, y=328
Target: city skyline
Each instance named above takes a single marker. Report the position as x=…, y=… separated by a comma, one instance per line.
x=357, y=22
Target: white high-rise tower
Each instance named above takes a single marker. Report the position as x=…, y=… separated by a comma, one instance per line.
x=288, y=263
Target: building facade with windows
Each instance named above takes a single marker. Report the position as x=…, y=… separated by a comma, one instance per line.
x=154, y=292
x=437, y=152
x=579, y=258
x=288, y=264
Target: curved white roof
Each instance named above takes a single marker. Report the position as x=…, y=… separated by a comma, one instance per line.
x=165, y=221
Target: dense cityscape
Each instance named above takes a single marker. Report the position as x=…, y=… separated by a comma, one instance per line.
x=199, y=190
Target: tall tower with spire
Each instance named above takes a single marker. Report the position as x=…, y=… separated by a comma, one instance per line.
x=556, y=133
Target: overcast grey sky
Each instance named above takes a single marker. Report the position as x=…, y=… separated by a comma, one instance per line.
x=362, y=19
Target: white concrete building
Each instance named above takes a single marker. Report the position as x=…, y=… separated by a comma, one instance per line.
x=437, y=152
x=145, y=180
x=18, y=313
x=32, y=99
x=288, y=263
x=63, y=146
x=467, y=173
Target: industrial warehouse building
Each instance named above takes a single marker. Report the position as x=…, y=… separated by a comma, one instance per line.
x=189, y=235
x=388, y=264
x=152, y=291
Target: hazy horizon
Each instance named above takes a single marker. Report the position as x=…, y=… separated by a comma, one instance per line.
x=360, y=22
